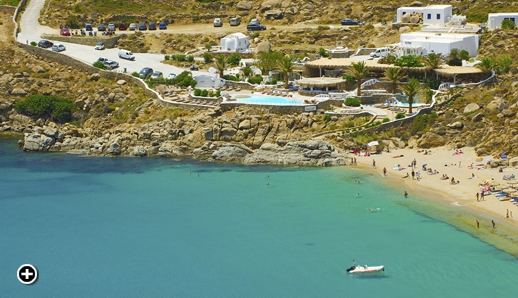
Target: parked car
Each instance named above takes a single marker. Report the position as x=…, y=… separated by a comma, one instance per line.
x=45, y=44
x=122, y=26
x=142, y=27
x=101, y=27
x=162, y=25
x=157, y=74
x=380, y=52
x=193, y=67
x=88, y=27
x=111, y=27
x=110, y=64
x=152, y=26
x=254, y=27
x=171, y=76
x=254, y=21
x=235, y=21
x=64, y=31
x=349, y=22
x=99, y=46
x=218, y=22
x=58, y=47
x=132, y=26
x=125, y=54
x=145, y=73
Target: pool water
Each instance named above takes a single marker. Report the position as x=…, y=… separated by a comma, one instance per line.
x=268, y=100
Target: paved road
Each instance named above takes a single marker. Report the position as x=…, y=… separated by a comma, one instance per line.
x=31, y=30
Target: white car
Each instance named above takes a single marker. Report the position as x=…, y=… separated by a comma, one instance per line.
x=99, y=45
x=58, y=47
x=218, y=22
x=171, y=76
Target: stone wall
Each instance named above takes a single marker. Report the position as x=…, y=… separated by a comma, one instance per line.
x=109, y=42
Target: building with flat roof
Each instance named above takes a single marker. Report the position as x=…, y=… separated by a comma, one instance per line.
x=431, y=14
x=423, y=43
x=494, y=20
x=237, y=42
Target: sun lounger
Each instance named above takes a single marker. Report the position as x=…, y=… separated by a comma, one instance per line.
x=230, y=88
x=238, y=88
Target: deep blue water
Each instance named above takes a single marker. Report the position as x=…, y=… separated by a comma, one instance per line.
x=157, y=227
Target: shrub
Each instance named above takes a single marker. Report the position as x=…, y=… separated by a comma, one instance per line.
x=134, y=74
x=327, y=118
x=218, y=93
x=204, y=92
x=207, y=58
x=352, y=101
x=247, y=71
x=408, y=61
x=400, y=116
x=385, y=120
x=432, y=83
x=99, y=64
x=255, y=79
x=271, y=81
x=387, y=59
x=190, y=58
x=231, y=78
x=322, y=52
x=46, y=106
x=464, y=55
x=33, y=43
x=508, y=24
x=167, y=57
x=197, y=92
x=234, y=59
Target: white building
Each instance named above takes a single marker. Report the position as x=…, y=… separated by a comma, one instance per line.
x=494, y=20
x=207, y=81
x=432, y=14
x=237, y=42
x=423, y=43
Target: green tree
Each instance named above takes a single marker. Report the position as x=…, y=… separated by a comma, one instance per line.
x=234, y=59
x=411, y=89
x=432, y=62
x=46, y=106
x=247, y=71
x=454, y=59
x=323, y=53
x=464, y=55
x=220, y=63
x=207, y=57
x=358, y=70
x=268, y=61
x=485, y=65
x=286, y=68
x=503, y=64
x=394, y=75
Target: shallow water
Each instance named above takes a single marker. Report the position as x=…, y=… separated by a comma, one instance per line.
x=152, y=227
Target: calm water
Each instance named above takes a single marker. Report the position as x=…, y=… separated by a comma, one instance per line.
x=145, y=227
x=268, y=99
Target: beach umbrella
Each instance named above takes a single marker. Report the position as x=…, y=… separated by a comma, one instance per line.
x=512, y=182
x=373, y=143
x=509, y=190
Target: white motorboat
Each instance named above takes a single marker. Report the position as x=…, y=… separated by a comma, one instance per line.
x=366, y=269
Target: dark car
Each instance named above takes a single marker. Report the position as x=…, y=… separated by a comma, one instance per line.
x=145, y=73
x=122, y=26
x=88, y=27
x=64, y=31
x=45, y=44
x=162, y=25
x=142, y=27
x=101, y=27
x=349, y=22
x=193, y=67
x=254, y=27
x=152, y=26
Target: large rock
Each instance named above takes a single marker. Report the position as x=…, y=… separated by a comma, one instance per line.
x=18, y=92
x=37, y=142
x=274, y=14
x=496, y=105
x=263, y=46
x=269, y=4
x=456, y=125
x=471, y=108
x=430, y=140
x=244, y=5
x=114, y=149
x=231, y=152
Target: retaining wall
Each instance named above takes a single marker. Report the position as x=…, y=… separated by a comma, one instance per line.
x=109, y=42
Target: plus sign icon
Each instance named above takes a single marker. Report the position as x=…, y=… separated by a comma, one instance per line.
x=27, y=274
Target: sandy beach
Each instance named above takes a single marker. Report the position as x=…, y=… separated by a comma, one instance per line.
x=462, y=196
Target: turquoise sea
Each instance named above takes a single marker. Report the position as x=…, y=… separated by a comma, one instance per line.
x=156, y=227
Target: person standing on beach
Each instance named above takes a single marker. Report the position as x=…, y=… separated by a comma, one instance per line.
x=373, y=163
x=413, y=174
x=478, y=197
x=493, y=223
x=406, y=194
x=478, y=224
x=384, y=171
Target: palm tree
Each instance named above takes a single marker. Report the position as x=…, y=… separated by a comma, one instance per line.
x=220, y=63
x=358, y=70
x=485, y=65
x=411, y=89
x=395, y=75
x=432, y=61
x=286, y=67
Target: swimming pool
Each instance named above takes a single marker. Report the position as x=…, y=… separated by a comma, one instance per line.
x=267, y=100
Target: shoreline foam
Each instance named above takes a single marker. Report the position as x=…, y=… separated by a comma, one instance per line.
x=454, y=204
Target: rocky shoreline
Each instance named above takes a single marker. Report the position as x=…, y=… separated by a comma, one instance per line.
x=238, y=136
